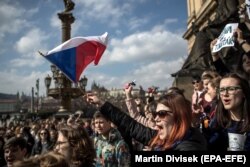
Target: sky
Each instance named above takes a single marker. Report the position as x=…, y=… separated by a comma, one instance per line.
x=145, y=41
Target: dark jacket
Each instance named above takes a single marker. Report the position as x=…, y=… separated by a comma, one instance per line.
x=37, y=149
x=194, y=140
x=218, y=137
x=220, y=67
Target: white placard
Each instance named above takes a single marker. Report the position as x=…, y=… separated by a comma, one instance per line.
x=226, y=37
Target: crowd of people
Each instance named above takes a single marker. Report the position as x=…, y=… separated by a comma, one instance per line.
x=219, y=108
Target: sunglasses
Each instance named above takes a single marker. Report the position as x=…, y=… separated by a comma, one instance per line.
x=162, y=113
x=194, y=82
x=43, y=133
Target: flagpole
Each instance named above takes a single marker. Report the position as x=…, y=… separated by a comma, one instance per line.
x=40, y=53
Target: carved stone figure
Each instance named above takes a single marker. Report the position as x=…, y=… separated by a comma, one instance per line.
x=69, y=5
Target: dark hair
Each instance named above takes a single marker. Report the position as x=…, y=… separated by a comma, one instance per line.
x=240, y=68
x=215, y=82
x=83, y=151
x=150, y=99
x=47, y=131
x=98, y=114
x=196, y=78
x=223, y=116
x=1, y=146
x=14, y=142
x=50, y=159
x=175, y=90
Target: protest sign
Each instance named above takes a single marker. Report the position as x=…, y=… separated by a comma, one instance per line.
x=226, y=37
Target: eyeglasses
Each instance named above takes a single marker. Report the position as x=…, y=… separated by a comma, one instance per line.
x=43, y=133
x=59, y=143
x=230, y=90
x=194, y=82
x=162, y=113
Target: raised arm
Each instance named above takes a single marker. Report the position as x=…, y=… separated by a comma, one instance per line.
x=218, y=63
x=241, y=41
x=126, y=125
x=132, y=109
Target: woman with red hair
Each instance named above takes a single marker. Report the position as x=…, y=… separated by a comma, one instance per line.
x=173, y=124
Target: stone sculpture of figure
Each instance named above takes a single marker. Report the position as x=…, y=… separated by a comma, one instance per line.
x=69, y=5
x=200, y=57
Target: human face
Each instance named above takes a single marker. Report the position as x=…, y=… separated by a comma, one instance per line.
x=243, y=16
x=164, y=120
x=43, y=135
x=197, y=85
x=211, y=91
x=53, y=134
x=246, y=63
x=231, y=94
x=62, y=146
x=205, y=83
x=102, y=126
x=13, y=154
x=2, y=132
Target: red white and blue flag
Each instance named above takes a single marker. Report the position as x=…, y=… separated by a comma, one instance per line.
x=74, y=55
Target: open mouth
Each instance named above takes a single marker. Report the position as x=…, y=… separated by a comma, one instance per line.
x=227, y=101
x=159, y=127
x=10, y=160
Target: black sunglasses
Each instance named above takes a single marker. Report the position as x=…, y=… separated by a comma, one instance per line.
x=162, y=113
x=196, y=81
x=43, y=133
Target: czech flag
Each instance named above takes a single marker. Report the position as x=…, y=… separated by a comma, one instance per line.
x=74, y=55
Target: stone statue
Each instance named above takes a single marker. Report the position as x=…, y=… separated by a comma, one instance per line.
x=200, y=58
x=69, y=5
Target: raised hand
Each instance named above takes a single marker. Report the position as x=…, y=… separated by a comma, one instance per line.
x=215, y=55
x=92, y=98
x=128, y=89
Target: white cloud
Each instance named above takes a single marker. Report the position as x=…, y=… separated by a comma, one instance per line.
x=170, y=21
x=28, y=47
x=156, y=73
x=13, y=18
x=10, y=19
x=27, y=62
x=31, y=42
x=108, y=10
x=15, y=81
x=55, y=21
x=134, y=22
x=151, y=45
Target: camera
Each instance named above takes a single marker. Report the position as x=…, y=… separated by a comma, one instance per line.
x=132, y=83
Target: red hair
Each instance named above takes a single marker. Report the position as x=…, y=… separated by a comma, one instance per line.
x=182, y=116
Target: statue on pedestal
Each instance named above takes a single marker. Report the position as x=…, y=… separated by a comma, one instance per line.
x=69, y=5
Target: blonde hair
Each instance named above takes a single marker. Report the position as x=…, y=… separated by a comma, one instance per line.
x=209, y=74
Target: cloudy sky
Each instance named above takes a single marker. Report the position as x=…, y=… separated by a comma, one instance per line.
x=145, y=40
